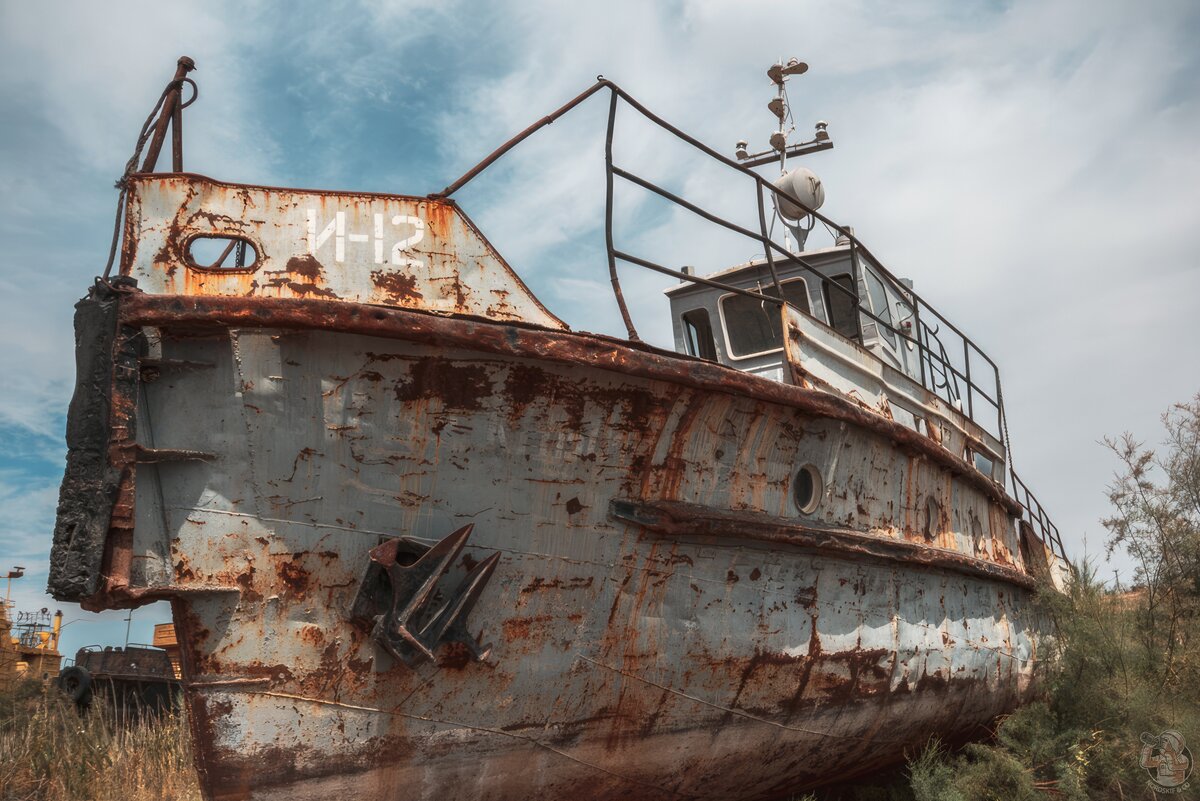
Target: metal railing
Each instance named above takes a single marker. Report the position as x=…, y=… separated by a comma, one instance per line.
x=1036, y=516
x=957, y=380
x=952, y=377
x=939, y=373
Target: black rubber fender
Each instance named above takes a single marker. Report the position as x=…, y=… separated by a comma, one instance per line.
x=76, y=682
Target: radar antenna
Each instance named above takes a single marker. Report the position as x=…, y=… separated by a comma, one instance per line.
x=800, y=183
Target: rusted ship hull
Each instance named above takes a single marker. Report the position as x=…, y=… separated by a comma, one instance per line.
x=423, y=541
x=662, y=622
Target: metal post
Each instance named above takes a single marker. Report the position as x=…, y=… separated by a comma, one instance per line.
x=762, y=225
x=177, y=131
x=967, y=376
x=1000, y=424
x=16, y=572
x=171, y=110
x=916, y=327
x=857, y=297
x=608, y=219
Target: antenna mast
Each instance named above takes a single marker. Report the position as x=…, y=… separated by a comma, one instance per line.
x=781, y=107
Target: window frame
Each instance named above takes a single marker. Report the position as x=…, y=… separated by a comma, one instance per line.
x=725, y=327
x=883, y=333
x=854, y=316
x=189, y=260
x=687, y=325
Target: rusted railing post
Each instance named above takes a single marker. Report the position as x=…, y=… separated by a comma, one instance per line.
x=608, y=219
x=172, y=112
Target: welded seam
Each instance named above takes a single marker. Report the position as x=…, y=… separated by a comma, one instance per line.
x=166, y=576
x=240, y=395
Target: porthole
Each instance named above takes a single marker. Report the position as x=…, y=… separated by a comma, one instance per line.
x=931, y=525
x=807, y=488
x=221, y=252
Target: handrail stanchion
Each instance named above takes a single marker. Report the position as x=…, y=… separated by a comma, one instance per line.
x=762, y=226
x=608, y=219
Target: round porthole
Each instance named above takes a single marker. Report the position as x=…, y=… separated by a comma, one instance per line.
x=806, y=489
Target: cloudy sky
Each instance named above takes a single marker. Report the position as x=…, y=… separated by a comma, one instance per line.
x=1033, y=166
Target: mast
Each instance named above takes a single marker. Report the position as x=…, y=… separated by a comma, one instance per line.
x=800, y=184
x=781, y=107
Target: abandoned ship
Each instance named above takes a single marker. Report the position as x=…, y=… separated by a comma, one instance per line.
x=422, y=540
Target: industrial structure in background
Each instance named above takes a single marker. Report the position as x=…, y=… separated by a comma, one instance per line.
x=422, y=540
x=132, y=677
x=166, y=639
x=28, y=641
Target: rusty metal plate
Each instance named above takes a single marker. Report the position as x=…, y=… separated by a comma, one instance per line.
x=712, y=665
x=388, y=249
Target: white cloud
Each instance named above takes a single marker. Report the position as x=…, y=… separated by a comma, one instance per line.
x=1032, y=166
x=96, y=71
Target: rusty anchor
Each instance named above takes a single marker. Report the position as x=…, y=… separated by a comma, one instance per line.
x=399, y=591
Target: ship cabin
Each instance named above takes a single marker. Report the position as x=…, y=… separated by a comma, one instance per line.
x=852, y=329
x=744, y=332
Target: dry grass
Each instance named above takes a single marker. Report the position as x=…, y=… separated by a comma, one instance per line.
x=49, y=752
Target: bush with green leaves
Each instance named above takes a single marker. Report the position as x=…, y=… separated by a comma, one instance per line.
x=1124, y=659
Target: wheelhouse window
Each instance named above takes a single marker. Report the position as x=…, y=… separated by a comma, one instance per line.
x=880, y=306
x=698, y=334
x=841, y=305
x=753, y=326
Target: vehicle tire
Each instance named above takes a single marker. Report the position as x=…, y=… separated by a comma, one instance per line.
x=76, y=682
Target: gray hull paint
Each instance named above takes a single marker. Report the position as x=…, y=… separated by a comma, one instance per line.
x=625, y=662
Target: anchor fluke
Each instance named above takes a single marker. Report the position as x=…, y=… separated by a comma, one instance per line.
x=449, y=624
x=399, y=591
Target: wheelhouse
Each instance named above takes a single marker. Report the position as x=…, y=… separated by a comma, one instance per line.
x=833, y=286
x=848, y=326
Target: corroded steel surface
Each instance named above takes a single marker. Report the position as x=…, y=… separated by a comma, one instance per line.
x=637, y=359
x=421, y=541
x=690, y=521
x=818, y=356
x=625, y=662
x=132, y=661
x=388, y=249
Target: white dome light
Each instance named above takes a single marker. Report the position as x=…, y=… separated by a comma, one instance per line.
x=802, y=184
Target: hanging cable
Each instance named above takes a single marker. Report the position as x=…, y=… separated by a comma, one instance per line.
x=122, y=183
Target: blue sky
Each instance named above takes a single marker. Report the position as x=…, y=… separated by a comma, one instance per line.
x=1033, y=166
